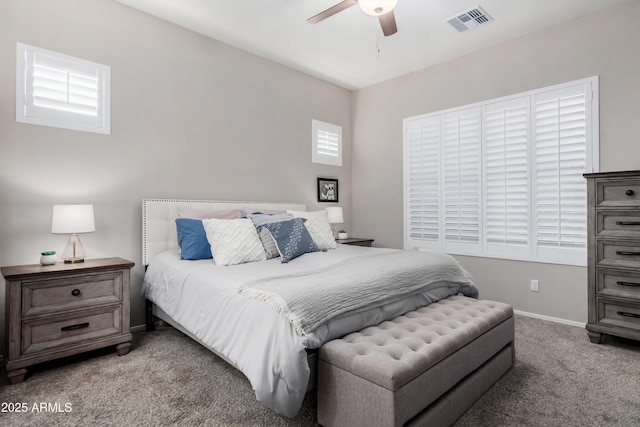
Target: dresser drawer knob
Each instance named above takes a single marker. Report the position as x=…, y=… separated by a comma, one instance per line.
x=75, y=292
x=629, y=192
x=628, y=284
x=625, y=314
x=74, y=327
x=627, y=222
x=628, y=253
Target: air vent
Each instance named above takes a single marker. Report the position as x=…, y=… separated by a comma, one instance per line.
x=469, y=19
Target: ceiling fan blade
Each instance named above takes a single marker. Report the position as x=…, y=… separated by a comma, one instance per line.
x=388, y=23
x=332, y=11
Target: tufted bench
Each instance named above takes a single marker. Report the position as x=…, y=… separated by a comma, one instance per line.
x=426, y=367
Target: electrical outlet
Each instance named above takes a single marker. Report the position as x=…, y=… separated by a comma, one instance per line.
x=534, y=285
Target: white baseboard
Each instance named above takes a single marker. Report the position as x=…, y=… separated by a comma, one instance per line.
x=551, y=319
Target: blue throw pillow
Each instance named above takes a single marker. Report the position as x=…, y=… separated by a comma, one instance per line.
x=192, y=239
x=292, y=238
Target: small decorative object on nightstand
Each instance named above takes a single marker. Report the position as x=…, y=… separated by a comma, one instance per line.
x=342, y=235
x=356, y=241
x=63, y=309
x=48, y=258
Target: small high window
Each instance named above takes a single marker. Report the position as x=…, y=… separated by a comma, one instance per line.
x=61, y=91
x=326, y=140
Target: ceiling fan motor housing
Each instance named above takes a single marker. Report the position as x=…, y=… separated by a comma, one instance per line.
x=377, y=7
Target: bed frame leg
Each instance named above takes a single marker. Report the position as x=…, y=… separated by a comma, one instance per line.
x=150, y=322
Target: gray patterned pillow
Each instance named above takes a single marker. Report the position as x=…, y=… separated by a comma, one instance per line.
x=259, y=220
x=292, y=238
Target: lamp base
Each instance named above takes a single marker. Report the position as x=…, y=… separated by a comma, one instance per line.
x=74, y=251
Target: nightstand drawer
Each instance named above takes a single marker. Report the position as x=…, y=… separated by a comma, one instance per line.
x=615, y=313
x=618, y=283
x=618, y=254
x=617, y=193
x=618, y=223
x=56, y=295
x=57, y=331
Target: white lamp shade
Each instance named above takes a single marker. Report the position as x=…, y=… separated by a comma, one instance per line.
x=69, y=219
x=377, y=7
x=334, y=214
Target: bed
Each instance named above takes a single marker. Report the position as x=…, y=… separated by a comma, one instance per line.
x=246, y=312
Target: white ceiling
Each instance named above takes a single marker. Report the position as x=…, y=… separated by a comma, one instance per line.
x=349, y=49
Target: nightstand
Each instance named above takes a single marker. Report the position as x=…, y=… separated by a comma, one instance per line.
x=356, y=241
x=59, y=310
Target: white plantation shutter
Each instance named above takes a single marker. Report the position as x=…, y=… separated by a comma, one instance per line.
x=461, y=151
x=503, y=178
x=423, y=185
x=62, y=91
x=326, y=141
x=506, y=177
x=561, y=135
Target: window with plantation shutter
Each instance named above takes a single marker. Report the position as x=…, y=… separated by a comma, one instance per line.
x=326, y=141
x=506, y=177
x=61, y=91
x=560, y=124
x=503, y=178
x=461, y=179
x=423, y=186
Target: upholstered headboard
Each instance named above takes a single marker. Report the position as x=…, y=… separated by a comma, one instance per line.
x=159, y=215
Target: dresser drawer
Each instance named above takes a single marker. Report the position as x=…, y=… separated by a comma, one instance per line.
x=618, y=193
x=46, y=333
x=616, y=313
x=618, y=223
x=619, y=283
x=55, y=295
x=618, y=254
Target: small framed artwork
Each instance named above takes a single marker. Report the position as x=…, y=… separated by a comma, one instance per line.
x=327, y=190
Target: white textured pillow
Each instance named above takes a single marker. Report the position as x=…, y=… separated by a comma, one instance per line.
x=233, y=241
x=318, y=227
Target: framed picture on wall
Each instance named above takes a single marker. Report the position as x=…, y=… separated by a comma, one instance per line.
x=327, y=190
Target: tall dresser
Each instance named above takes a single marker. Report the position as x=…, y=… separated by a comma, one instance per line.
x=614, y=254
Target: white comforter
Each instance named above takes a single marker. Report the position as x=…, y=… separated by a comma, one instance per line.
x=203, y=298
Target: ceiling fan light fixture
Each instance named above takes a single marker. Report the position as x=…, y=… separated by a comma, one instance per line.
x=377, y=7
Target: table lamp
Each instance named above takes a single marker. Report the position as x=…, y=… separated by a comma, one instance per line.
x=73, y=220
x=335, y=216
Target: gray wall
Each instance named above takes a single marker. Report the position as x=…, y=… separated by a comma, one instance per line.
x=602, y=44
x=191, y=118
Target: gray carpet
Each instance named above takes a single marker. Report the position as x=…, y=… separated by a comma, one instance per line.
x=559, y=379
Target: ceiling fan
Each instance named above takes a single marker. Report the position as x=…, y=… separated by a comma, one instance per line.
x=383, y=9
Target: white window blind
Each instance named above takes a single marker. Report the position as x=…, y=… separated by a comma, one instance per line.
x=461, y=145
x=61, y=91
x=326, y=140
x=560, y=139
x=506, y=177
x=423, y=189
x=503, y=178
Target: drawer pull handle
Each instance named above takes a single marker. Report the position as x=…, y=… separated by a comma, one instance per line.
x=75, y=292
x=627, y=253
x=628, y=284
x=627, y=222
x=625, y=314
x=629, y=192
x=74, y=327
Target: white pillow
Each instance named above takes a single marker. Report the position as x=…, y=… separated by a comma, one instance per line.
x=233, y=241
x=318, y=227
